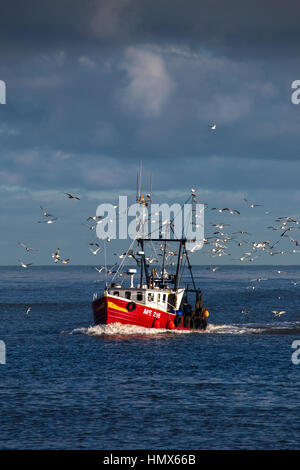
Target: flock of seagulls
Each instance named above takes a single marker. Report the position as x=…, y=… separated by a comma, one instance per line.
x=49, y=218
x=217, y=244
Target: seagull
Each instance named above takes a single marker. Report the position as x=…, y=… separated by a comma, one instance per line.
x=50, y=221
x=108, y=270
x=45, y=213
x=295, y=283
x=241, y=242
x=250, y=204
x=232, y=211
x=26, y=247
x=278, y=313
x=100, y=269
x=242, y=258
x=220, y=225
x=288, y=219
x=286, y=230
x=24, y=265
x=94, y=244
x=242, y=232
x=279, y=272
x=213, y=269
x=294, y=241
x=27, y=311
x=95, y=218
x=95, y=251
x=122, y=255
x=151, y=260
x=56, y=255
x=212, y=126
x=245, y=311
x=70, y=196
x=65, y=261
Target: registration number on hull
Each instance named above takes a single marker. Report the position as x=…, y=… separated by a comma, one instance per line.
x=150, y=313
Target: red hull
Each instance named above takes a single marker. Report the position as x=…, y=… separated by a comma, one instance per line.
x=109, y=309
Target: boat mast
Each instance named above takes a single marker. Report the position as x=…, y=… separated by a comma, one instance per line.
x=144, y=203
x=164, y=260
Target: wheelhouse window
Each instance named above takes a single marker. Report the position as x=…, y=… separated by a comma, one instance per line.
x=139, y=296
x=150, y=297
x=116, y=292
x=164, y=298
x=127, y=295
x=158, y=297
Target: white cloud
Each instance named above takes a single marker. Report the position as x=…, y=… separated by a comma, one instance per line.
x=149, y=84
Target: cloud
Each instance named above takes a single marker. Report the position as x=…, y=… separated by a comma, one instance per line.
x=95, y=87
x=149, y=85
x=86, y=62
x=113, y=18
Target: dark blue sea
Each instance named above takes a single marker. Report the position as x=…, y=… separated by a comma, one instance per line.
x=69, y=385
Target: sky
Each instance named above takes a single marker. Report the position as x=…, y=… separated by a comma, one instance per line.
x=95, y=87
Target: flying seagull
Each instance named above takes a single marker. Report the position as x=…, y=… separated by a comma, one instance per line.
x=231, y=211
x=278, y=313
x=212, y=126
x=45, y=213
x=95, y=251
x=24, y=265
x=26, y=247
x=27, y=311
x=95, y=218
x=50, y=221
x=70, y=196
x=250, y=204
x=56, y=255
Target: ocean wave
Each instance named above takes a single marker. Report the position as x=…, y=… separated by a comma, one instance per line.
x=284, y=329
x=119, y=329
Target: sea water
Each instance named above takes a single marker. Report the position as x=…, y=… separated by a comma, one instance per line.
x=67, y=384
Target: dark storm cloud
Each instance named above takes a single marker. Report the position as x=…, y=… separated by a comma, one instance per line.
x=258, y=26
x=93, y=87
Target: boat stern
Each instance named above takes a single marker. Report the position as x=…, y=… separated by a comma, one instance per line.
x=99, y=307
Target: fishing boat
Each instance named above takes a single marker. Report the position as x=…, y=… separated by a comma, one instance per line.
x=153, y=297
